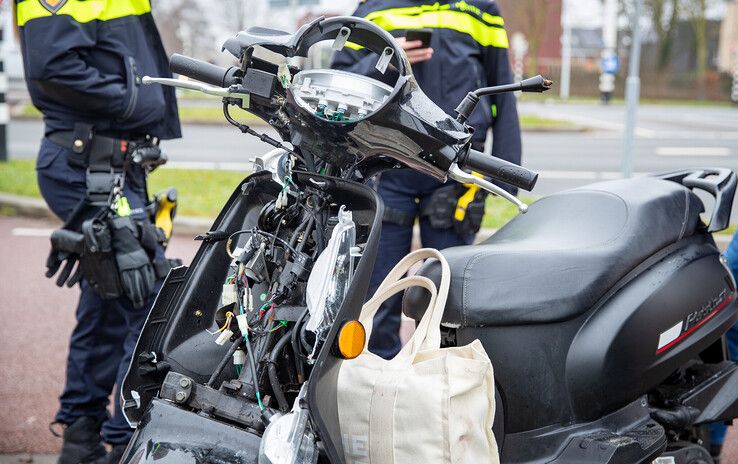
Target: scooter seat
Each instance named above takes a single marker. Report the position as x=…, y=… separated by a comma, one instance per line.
x=557, y=260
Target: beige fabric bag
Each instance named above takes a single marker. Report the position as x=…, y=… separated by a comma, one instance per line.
x=427, y=405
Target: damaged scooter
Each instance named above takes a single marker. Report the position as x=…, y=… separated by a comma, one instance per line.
x=602, y=308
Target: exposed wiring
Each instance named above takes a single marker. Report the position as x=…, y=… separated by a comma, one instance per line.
x=255, y=231
x=226, y=325
x=281, y=324
x=263, y=137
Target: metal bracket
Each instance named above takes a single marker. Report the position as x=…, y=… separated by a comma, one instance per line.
x=385, y=59
x=341, y=39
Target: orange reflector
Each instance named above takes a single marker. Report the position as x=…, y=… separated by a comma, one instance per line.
x=351, y=339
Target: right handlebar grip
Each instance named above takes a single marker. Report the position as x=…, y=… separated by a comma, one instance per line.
x=501, y=170
x=203, y=71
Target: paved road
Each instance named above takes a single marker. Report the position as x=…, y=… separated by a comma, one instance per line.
x=37, y=318
x=669, y=137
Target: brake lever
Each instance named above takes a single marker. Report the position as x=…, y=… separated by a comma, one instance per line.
x=200, y=87
x=459, y=175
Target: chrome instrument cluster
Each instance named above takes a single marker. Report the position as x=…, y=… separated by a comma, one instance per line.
x=337, y=95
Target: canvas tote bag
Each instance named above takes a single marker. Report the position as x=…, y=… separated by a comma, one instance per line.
x=426, y=405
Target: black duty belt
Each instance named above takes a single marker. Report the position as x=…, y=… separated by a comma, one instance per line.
x=102, y=157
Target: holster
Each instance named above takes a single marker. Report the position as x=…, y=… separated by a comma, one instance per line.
x=440, y=209
x=472, y=221
x=98, y=260
x=440, y=206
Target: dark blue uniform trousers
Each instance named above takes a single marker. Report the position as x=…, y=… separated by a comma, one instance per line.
x=719, y=430
x=406, y=191
x=107, y=330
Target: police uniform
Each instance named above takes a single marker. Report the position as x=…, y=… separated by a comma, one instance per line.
x=83, y=61
x=470, y=51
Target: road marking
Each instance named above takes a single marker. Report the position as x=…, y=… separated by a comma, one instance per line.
x=31, y=232
x=693, y=151
x=584, y=175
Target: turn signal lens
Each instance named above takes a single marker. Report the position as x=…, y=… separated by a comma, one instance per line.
x=351, y=339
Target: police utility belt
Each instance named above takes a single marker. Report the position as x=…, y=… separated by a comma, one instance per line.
x=101, y=242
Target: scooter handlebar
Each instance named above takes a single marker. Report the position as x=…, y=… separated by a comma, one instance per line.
x=499, y=169
x=203, y=71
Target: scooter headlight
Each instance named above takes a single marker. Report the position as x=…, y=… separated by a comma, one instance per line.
x=288, y=439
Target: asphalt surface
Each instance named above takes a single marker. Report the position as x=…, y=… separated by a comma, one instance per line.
x=37, y=318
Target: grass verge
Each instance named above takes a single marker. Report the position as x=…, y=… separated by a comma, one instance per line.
x=202, y=114
x=202, y=193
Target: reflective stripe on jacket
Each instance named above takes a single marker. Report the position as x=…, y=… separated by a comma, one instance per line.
x=84, y=60
x=470, y=51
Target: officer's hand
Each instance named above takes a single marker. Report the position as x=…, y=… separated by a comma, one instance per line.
x=415, y=54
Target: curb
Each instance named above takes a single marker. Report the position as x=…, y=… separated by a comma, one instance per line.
x=28, y=458
x=36, y=208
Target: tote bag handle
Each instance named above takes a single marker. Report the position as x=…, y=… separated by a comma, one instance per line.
x=385, y=292
x=428, y=332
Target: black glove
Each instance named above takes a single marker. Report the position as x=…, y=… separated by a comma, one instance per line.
x=66, y=247
x=134, y=266
x=147, y=155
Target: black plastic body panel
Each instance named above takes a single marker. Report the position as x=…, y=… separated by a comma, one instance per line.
x=627, y=435
x=187, y=305
x=608, y=356
x=710, y=390
x=170, y=435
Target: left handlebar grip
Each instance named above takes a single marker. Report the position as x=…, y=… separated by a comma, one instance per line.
x=203, y=71
x=499, y=169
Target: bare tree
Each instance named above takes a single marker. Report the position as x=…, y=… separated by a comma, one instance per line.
x=235, y=14
x=696, y=12
x=184, y=28
x=664, y=16
x=528, y=17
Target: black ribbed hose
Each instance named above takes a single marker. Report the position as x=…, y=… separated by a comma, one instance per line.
x=272, y=369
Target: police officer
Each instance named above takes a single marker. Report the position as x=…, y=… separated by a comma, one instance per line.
x=719, y=430
x=468, y=50
x=83, y=66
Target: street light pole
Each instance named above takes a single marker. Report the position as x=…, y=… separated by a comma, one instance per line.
x=609, y=52
x=632, y=91
x=734, y=92
x=565, y=52
x=4, y=110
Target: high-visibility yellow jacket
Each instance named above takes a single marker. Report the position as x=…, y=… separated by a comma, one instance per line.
x=84, y=60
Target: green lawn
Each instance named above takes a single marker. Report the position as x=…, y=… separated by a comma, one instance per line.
x=201, y=192
x=199, y=114
x=655, y=101
x=187, y=113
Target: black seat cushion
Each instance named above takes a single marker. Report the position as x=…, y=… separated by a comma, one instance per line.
x=556, y=261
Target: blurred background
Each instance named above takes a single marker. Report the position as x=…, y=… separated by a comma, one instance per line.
x=582, y=131
x=689, y=46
